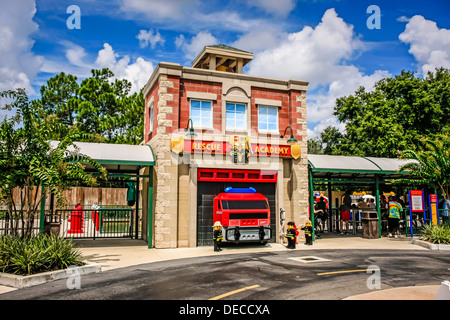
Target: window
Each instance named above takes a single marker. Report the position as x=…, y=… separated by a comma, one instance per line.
x=201, y=114
x=267, y=118
x=236, y=116
x=151, y=117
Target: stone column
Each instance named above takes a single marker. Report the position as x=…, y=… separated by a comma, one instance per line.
x=166, y=172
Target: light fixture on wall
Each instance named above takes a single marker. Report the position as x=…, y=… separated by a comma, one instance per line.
x=291, y=139
x=191, y=129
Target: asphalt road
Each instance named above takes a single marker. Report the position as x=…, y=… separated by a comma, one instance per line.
x=319, y=275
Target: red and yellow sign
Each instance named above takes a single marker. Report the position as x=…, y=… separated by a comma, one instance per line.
x=194, y=146
x=179, y=145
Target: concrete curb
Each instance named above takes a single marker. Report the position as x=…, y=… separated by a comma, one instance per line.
x=19, y=282
x=431, y=246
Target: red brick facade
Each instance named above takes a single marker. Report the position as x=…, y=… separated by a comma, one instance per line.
x=179, y=102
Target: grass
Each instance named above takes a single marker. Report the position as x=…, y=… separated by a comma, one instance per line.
x=32, y=255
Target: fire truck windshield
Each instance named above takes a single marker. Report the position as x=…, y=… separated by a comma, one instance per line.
x=248, y=204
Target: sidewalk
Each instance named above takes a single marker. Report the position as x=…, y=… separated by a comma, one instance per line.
x=120, y=253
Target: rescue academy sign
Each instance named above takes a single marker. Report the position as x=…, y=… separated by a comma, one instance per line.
x=237, y=146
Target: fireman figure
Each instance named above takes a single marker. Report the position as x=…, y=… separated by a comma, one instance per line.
x=291, y=235
x=218, y=237
x=240, y=148
x=308, y=232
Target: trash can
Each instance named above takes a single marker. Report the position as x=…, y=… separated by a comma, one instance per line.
x=52, y=224
x=369, y=221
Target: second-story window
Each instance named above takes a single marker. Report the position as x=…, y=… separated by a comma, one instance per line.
x=267, y=118
x=151, y=117
x=201, y=114
x=236, y=116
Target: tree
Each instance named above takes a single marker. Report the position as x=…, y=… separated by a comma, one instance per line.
x=432, y=165
x=28, y=163
x=331, y=137
x=400, y=111
x=96, y=105
x=315, y=146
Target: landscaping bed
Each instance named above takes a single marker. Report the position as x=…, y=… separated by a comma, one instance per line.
x=435, y=237
x=27, y=261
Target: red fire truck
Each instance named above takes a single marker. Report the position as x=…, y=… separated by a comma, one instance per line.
x=244, y=215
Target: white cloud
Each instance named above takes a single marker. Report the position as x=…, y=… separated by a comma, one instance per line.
x=193, y=47
x=79, y=64
x=403, y=19
x=159, y=10
x=259, y=39
x=147, y=38
x=278, y=8
x=314, y=54
x=321, y=56
x=18, y=64
x=137, y=73
x=429, y=44
x=192, y=15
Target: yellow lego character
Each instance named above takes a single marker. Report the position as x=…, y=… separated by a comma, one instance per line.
x=218, y=237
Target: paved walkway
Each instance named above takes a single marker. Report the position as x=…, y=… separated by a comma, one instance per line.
x=117, y=253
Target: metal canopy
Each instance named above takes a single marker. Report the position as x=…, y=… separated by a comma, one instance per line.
x=115, y=157
x=326, y=166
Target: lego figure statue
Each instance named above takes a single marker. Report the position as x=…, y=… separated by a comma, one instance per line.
x=218, y=237
x=308, y=232
x=291, y=235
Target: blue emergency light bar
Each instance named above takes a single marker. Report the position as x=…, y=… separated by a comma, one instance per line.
x=240, y=190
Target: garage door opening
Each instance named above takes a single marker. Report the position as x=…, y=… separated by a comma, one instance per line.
x=213, y=182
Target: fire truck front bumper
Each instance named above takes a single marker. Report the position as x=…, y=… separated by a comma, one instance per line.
x=247, y=234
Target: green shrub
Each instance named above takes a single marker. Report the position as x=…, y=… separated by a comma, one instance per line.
x=436, y=233
x=31, y=255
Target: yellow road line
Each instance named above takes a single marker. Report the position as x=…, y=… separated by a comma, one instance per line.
x=233, y=292
x=346, y=271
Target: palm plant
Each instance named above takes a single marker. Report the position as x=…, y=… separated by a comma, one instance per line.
x=431, y=165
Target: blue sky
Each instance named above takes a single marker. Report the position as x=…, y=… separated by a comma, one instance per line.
x=325, y=42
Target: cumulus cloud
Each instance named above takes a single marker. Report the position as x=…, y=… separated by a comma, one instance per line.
x=18, y=64
x=259, y=39
x=147, y=38
x=429, y=44
x=79, y=63
x=137, y=72
x=315, y=54
x=195, y=45
x=320, y=55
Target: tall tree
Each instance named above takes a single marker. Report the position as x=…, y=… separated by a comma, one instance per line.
x=99, y=104
x=395, y=115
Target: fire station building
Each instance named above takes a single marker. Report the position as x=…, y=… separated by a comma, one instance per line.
x=211, y=127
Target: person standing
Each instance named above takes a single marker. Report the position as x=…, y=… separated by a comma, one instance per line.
x=346, y=206
x=445, y=209
x=394, y=214
x=322, y=205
